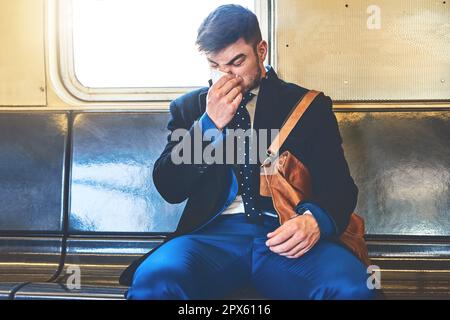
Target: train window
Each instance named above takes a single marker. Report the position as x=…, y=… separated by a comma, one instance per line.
x=134, y=49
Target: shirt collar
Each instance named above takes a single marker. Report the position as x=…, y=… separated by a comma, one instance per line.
x=255, y=91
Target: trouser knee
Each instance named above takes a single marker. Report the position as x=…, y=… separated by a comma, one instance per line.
x=157, y=286
x=350, y=290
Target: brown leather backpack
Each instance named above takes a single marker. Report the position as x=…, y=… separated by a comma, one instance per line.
x=288, y=182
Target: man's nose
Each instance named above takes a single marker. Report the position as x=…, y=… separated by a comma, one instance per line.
x=226, y=70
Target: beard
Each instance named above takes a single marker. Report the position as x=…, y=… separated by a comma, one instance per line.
x=255, y=78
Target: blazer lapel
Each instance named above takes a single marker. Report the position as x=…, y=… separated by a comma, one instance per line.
x=269, y=112
x=202, y=101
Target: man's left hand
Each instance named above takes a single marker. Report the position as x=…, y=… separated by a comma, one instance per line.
x=295, y=237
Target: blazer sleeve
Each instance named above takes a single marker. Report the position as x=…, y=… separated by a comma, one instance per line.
x=333, y=187
x=174, y=180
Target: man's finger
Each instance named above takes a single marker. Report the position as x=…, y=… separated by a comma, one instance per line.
x=229, y=86
x=236, y=101
x=222, y=81
x=275, y=232
x=300, y=246
x=310, y=243
x=280, y=237
x=303, y=251
x=233, y=94
x=287, y=246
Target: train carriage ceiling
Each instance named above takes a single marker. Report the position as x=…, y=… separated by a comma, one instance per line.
x=365, y=50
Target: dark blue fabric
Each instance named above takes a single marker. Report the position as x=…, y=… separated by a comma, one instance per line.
x=230, y=253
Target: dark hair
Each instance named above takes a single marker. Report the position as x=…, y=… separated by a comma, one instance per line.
x=226, y=25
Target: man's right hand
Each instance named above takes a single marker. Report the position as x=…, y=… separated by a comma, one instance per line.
x=223, y=100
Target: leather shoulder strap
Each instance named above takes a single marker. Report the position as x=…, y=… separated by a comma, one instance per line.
x=291, y=121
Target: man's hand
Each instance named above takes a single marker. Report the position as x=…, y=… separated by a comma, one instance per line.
x=223, y=100
x=295, y=237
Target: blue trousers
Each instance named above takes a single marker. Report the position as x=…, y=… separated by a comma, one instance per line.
x=230, y=253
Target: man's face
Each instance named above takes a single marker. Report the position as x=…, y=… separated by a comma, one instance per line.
x=241, y=59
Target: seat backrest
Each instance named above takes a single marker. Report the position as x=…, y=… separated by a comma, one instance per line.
x=401, y=163
x=115, y=210
x=32, y=168
x=111, y=187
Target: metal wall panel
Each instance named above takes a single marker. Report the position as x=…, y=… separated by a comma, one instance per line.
x=31, y=171
x=22, y=54
x=112, y=187
x=401, y=163
x=327, y=45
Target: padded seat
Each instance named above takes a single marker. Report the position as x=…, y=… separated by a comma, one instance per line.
x=32, y=168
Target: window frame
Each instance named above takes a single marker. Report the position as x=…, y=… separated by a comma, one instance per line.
x=67, y=74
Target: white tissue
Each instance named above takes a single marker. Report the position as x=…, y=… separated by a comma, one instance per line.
x=216, y=75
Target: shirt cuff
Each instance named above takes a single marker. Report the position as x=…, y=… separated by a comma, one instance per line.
x=326, y=224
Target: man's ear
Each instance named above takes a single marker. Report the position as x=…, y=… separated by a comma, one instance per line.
x=261, y=49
